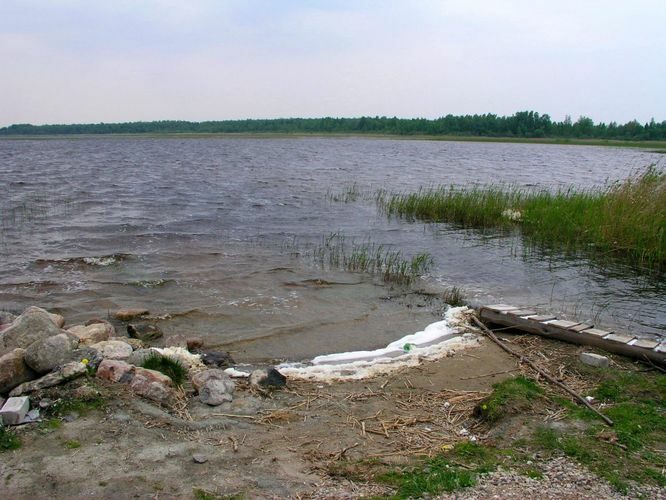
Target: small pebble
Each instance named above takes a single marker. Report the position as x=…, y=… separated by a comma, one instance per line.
x=199, y=458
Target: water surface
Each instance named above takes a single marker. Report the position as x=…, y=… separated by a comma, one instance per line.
x=218, y=231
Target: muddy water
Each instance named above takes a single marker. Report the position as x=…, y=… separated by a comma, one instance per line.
x=219, y=233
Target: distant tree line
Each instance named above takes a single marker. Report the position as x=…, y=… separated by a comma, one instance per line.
x=524, y=124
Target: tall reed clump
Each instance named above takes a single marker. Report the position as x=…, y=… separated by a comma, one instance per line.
x=371, y=258
x=625, y=219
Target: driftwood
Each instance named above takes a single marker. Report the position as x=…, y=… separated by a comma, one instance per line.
x=540, y=371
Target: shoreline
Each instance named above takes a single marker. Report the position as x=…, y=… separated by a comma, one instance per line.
x=653, y=146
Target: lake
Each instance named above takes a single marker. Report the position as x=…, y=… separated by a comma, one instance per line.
x=219, y=233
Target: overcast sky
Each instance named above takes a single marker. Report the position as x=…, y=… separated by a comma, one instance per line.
x=72, y=61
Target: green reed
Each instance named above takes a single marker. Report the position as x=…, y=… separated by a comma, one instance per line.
x=625, y=219
x=336, y=251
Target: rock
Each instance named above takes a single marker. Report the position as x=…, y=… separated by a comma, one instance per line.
x=62, y=374
x=44, y=355
x=200, y=378
x=193, y=343
x=218, y=359
x=267, y=378
x=215, y=392
x=198, y=458
x=13, y=370
x=153, y=385
x=139, y=356
x=130, y=314
x=214, y=386
x=135, y=343
x=147, y=383
x=33, y=325
x=45, y=403
x=57, y=319
x=14, y=410
x=589, y=358
x=113, y=349
x=115, y=371
x=91, y=334
x=144, y=331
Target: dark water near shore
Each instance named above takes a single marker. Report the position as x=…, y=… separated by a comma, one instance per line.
x=220, y=230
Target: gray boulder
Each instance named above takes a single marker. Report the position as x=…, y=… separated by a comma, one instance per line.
x=214, y=387
x=113, y=349
x=13, y=370
x=93, y=333
x=46, y=354
x=64, y=373
x=33, y=325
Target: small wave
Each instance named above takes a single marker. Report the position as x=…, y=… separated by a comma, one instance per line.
x=150, y=283
x=102, y=260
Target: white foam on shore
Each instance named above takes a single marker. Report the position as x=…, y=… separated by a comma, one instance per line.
x=410, y=350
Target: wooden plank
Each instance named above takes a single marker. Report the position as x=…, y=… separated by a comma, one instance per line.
x=542, y=317
x=501, y=307
x=522, y=312
x=618, y=337
x=645, y=343
x=594, y=338
x=580, y=327
x=597, y=332
x=563, y=323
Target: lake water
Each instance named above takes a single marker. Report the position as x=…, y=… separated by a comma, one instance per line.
x=219, y=233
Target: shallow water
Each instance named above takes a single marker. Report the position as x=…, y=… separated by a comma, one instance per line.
x=221, y=230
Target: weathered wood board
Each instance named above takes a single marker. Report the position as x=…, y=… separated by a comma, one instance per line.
x=576, y=333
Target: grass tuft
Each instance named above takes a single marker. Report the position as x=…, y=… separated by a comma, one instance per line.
x=370, y=258
x=454, y=296
x=508, y=397
x=168, y=366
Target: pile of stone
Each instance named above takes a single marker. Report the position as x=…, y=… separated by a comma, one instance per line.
x=37, y=352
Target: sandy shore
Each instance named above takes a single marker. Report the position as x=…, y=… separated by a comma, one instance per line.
x=287, y=444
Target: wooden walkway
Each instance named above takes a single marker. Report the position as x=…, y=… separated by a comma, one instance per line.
x=574, y=332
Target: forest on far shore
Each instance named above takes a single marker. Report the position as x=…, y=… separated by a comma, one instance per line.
x=523, y=124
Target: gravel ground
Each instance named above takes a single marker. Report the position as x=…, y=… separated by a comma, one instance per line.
x=562, y=479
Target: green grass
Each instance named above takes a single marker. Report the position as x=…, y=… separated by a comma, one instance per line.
x=628, y=452
x=336, y=251
x=508, y=397
x=168, y=366
x=622, y=453
x=8, y=440
x=625, y=219
x=67, y=405
x=72, y=444
x=438, y=476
